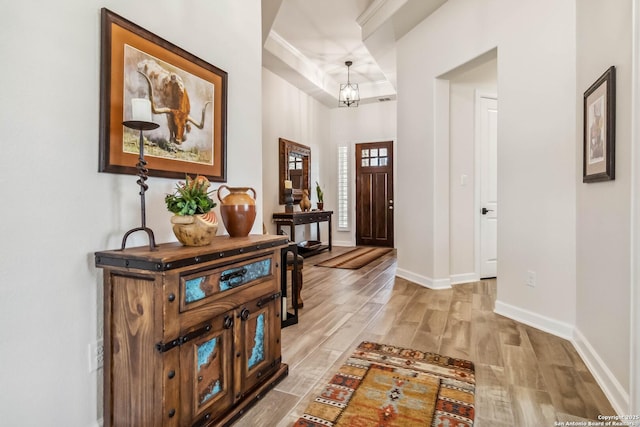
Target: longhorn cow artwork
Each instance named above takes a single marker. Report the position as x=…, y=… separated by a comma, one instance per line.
x=173, y=94
x=188, y=98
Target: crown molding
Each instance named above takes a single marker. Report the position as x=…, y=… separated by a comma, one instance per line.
x=377, y=14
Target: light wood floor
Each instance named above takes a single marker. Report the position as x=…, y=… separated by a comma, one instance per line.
x=524, y=377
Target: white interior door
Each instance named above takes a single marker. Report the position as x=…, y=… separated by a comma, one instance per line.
x=488, y=177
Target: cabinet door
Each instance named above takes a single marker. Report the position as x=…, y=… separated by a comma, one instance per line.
x=206, y=363
x=259, y=339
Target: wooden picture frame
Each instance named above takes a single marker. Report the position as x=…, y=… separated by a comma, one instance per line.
x=599, y=129
x=189, y=102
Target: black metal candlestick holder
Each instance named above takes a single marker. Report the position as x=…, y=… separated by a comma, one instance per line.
x=288, y=200
x=142, y=177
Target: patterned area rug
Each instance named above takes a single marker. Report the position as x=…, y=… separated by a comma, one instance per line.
x=386, y=386
x=355, y=258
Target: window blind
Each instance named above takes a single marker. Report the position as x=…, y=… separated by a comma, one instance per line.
x=343, y=188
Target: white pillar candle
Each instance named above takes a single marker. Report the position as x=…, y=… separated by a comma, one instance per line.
x=140, y=110
x=288, y=184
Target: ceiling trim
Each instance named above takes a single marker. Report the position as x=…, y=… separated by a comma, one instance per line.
x=288, y=53
x=382, y=24
x=282, y=58
x=377, y=14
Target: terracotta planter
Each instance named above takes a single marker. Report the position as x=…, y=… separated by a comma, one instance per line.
x=238, y=210
x=195, y=230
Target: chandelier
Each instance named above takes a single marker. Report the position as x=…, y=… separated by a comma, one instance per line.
x=349, y=94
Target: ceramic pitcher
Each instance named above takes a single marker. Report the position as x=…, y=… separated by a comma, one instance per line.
x=238, y=209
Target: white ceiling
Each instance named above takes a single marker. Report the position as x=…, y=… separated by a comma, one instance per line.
x=307, y=42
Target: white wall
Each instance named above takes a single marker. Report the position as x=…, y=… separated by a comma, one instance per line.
x=464, y=86
x=603, y=209
x=634, y=395
x=536, y=155
x=58, y=210
x=291, y=114
x=349, y=126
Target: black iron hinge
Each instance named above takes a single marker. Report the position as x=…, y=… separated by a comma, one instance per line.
x=162, y=347
x=263, y=301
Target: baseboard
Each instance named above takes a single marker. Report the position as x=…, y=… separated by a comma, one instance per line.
x=342, y=243
x=547, y=324
x=427, y=282
x=614, y=391
x=457, y=279
x=618, y=397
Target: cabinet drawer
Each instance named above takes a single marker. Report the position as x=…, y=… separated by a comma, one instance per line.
x=206, y=286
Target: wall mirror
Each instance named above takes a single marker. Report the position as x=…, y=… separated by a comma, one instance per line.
x=295, y=161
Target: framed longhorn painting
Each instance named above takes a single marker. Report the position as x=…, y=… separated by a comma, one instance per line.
x=600, y=129
x=187, y=98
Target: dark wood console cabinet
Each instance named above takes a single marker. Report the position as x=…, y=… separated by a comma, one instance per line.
x=192, y=334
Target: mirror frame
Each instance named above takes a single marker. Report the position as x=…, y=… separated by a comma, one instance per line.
x=286, y=148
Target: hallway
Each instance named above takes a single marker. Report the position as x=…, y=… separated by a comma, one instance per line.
x=524, y=377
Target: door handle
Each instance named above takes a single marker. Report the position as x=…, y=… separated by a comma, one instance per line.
x=244, y=314
x=485, y=210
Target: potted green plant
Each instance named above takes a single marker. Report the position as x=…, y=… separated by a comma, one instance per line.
x=320, y=195
x=194, y=222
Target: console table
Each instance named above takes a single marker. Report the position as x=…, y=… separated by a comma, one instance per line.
x=291, y=219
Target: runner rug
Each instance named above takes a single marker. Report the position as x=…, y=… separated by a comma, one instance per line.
x=386, y=386
x=355, y=258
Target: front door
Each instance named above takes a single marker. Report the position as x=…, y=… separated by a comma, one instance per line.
x=374, y=194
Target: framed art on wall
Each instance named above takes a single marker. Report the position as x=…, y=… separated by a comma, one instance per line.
x=599, y=129
x=188, y=99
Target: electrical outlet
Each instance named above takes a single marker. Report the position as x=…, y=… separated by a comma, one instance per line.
x=531, y=278
x=96, y=355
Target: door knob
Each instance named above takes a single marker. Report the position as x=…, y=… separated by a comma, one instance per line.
x=485, y=210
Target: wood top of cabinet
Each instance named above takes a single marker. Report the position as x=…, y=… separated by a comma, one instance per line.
x=168, y=256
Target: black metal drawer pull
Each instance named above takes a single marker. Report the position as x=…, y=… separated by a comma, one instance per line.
x=233, y=275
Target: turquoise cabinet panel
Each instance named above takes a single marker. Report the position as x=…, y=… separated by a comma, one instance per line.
x=208, y=358
x=257, y=352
